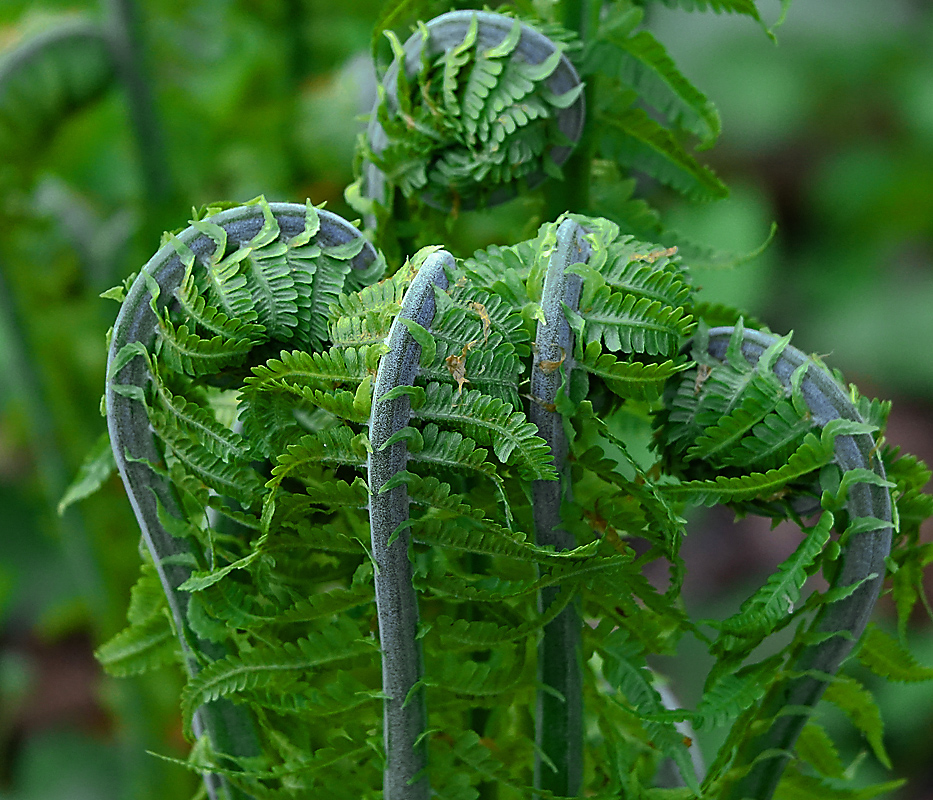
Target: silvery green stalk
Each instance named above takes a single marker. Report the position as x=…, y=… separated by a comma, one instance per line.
x=559, y=718
x=840, y=624
x=405, y=714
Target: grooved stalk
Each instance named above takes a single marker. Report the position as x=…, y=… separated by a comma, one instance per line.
x=863, y=556
x=559, y=717
x=405, y=713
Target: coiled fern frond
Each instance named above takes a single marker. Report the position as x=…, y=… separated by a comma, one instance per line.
x=473, y=105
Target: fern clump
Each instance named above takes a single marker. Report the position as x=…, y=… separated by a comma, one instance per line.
x=474, y=105
x=379, y=512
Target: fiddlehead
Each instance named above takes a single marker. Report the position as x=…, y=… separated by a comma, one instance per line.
x=773, y=419
x=271, y=269
x=474, y=103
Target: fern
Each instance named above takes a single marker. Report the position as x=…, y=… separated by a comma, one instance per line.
x=476, y=116
x=456, y=459
x=636, y=141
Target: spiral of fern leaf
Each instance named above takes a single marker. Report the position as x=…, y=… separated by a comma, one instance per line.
x=473, y=104
x=756, y=425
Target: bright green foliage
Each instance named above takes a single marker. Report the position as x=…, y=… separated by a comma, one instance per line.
x=284, y=579
x=270, y=458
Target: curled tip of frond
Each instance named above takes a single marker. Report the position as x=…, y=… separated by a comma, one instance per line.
x=472, y=104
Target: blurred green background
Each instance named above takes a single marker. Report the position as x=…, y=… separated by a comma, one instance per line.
x=830, y=134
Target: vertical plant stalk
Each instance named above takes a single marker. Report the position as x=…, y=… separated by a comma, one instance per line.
x=405, y=712
x=126, y=43
x=839, y=624
x=230, y=727
x=559, y=717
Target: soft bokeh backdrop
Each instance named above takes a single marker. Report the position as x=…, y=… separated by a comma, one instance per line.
x=829, y=133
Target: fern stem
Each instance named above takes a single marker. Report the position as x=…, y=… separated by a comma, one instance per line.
x=559, y=719
x=137, y=453
x=839, y=625
x=405, y=712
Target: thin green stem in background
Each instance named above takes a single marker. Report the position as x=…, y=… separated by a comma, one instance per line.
x=129, y=53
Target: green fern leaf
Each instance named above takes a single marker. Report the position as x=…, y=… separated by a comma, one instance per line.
x=457, y=525
x=139, y=648
x=732, y=694
x=97, y=467
x=636, y=141
x=632, y=380
x=760, y=399
x=268, y=667
x=493, y=423
x=197, y=313
x=453, y=61
x=483, y=634
x=646, y=67
x=798, y=785
x=812, y=454
x=774, y=602
x=857, y=703
x=887, y=657
x=327, y=604
x=339, y=445
x=503, y=671
x=232, y=479
x=814, y=747
x=198, y=424
x=300, y=368
x=631, y=325
x=182, y=350
x=773, y=440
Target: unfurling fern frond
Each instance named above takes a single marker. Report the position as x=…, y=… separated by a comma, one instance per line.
x=753, y=393
x=472, y=104
x=189, y=324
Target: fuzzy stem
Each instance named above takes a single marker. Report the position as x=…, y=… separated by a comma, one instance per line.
x=559, y=719
x=791, y=702
x=230, y=727
x=405, y=712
